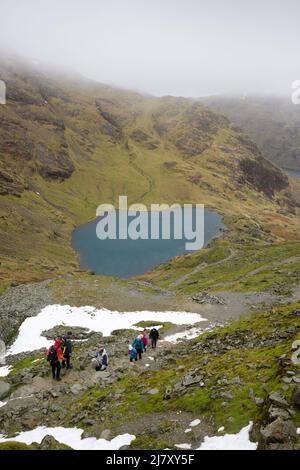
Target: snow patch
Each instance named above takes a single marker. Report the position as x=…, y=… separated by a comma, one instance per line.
x=99, y=320
x=184, y=335
x=195, y=423
x=71, y=437
x=5, y=370
x=188, y=430
x=189, y=334
x=2, y=403
x=239, y=441
x=183, y=446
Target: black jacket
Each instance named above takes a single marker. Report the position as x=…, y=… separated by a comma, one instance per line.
x=154, y=334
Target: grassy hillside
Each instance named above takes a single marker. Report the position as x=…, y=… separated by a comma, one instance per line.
x=69, y=145
x=272, y=122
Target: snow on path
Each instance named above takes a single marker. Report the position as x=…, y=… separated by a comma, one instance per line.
x=239, y=441
x=98, y=320
x=189, y=334
x=5, y=370
x=181, y=335
x=71, y=437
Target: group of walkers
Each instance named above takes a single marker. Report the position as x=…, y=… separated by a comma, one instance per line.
x=60, y=353
x=140, y=344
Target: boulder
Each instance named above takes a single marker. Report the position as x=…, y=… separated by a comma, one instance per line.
x=189, y=380
x=258, y=401
x=296, y=397
x=280, y=430
x=2, y=350
x=76, y=388
x=29, y=422
x=105, y=434
x=277, y=399
x=49, y=443
x=4, y=389
x=275, y=412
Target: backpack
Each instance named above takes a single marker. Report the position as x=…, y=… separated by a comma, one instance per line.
x=64, y=345
x=154, y=333
x=138, y=344
x=52, y=354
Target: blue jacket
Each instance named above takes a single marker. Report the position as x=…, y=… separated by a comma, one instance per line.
x=138, y=344
x=132, y=353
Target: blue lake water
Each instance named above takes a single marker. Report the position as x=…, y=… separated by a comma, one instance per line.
x=125, y=258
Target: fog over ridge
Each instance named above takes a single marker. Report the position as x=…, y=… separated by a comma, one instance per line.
x=163, y=47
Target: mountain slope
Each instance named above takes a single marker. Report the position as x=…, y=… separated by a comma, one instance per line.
x=67, y=146
x=272, y=122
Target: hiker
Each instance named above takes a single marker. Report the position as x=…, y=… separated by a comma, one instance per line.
x=132, y=352
x=54, y=356
x=154, y=335
x=100, y=361
x=145, y=340
x=138, y=345
x=67, y=349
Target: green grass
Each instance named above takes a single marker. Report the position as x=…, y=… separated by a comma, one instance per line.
x=234, y=274
x=27, y=363
x=11, y=445
x=148, y=324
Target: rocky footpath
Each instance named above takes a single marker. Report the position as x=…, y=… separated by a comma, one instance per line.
x=226, y=378
x=206, y=298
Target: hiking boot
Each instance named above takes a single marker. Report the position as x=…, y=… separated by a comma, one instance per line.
x=70, y=366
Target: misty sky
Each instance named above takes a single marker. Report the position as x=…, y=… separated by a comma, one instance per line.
x=177, y=47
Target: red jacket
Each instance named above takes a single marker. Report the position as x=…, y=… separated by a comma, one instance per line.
x=145, y=340
x=58, y=349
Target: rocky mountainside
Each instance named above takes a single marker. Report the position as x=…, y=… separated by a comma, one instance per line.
x=273, y=123
x=68, y=145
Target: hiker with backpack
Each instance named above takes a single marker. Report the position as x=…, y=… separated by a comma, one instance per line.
x=100, y=361
x=54, y=356
x=138, y=346
x=145, y=340
x=132, y=352
x=154, y=335
x=67, y=349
